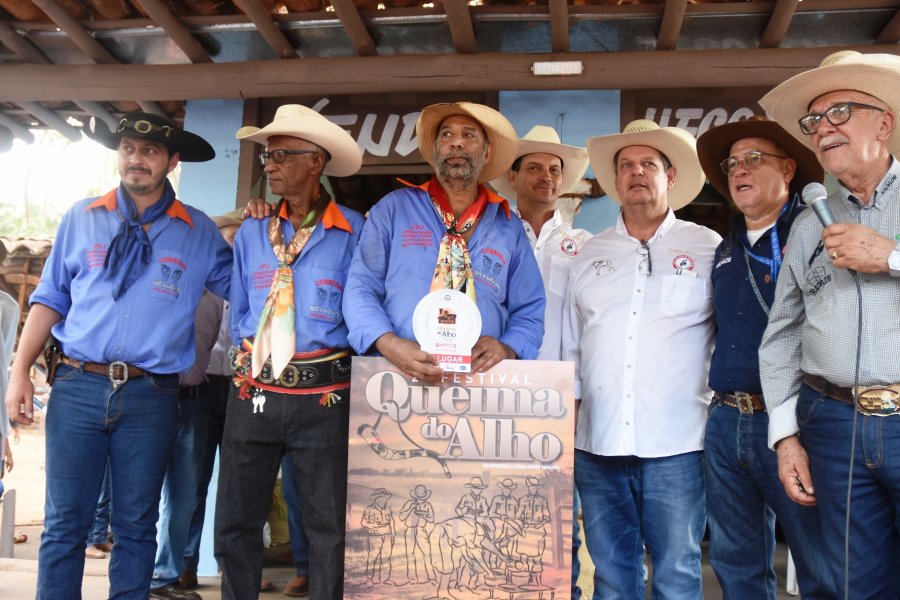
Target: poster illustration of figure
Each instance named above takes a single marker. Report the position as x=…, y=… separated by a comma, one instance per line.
x=460, y=489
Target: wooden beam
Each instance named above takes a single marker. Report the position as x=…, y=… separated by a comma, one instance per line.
x=267, y=28
x=150, y=106
x=16, y=128
x=459, y=20
x=78, y=34
x=97, y=110
x=411, y=73
x=51, y=119
x=891, y=32
x=559, y=25
x=354, y=27
x=778, y=23
x=23, y=48
x=175, y=29
x=673, y=19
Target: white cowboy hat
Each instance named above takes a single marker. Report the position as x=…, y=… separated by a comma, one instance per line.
x=678, y=145
x=545, y=140
x=874, y=74
x=501, y=134
x=298, y=121
x=235, y=217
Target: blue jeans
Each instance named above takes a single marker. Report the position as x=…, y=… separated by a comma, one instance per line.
x=628, y=502
x=299, y=543
x=743, y=498
x=99, y=533
x=826, y=427
x=576, y=545
x=179, y=491
x=87, y=422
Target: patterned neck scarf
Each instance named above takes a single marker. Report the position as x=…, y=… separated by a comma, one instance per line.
x=454, y=267
x=276, y=334
x=129, y=251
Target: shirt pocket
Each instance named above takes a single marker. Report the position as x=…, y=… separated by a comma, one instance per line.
x=321, y=292
x=682, y=296
x=559, y=275
x=168, y=276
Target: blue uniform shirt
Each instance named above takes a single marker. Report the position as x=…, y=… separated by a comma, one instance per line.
x=152, y=323
x=320, y=273
x=740, y=319
x=395, y=261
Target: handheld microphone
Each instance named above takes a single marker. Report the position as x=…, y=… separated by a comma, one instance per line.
x=815, y=196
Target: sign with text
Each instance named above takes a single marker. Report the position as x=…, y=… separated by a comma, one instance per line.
x=463, y=488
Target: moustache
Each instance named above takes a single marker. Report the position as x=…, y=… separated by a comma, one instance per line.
x=138, y=170
x=835, y=138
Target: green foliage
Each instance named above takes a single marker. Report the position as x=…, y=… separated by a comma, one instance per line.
x=14, y=222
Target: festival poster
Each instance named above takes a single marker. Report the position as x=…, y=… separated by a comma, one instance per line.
x=461, y=489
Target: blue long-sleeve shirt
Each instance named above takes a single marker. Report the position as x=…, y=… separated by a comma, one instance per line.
x=320, y=274
x=151, y=325
x=740, y=318
x=394, y=264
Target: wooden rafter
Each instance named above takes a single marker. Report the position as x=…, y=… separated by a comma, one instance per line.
x=175, y=29
x=670, y=30
x=23, y=48
x=267, y=28
x=78, y=34
x=150, y=106
x=778, y=23
x=559, y=25
x=17, y=129
x=354, y=27
x=95, y=109
x=891, y=32
x=51, y=119
x=459, y=20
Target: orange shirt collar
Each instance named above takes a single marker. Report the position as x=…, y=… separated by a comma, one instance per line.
x=332, y=217
x=110, y=202
x=492, y=197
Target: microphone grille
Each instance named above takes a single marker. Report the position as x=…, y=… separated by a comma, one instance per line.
x=812, y=192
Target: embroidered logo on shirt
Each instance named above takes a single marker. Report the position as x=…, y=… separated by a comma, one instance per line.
x=96, y=256
x=569, y=247
x=724, y=257
x=603, y=264
x=683, y=262
x=262, y=277
x=417, y=235
x=328, y=300
x=817, y=278
x=166, y=285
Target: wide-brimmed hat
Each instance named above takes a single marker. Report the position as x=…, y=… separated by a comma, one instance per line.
x=545, y=140
x=235, y=217
x=154, y=128
x=476, y=483
x=420, y=492
x=533, y=481
x=714, y=146
x=500, y=133
x=380, y=493
x=678, y=145
x=874, y=74
x=507, y=483
x=299, y=121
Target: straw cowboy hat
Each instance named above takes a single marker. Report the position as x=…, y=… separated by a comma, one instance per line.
x=298, y=121
x=235, y=217
x=677, y=144
x=874, y=74
x=420, y=492
x=500, y=133
x=714, y=146
x=545, y=140
x=476, y=483
x=154, y=128
x=508, y=484
x=380, y=493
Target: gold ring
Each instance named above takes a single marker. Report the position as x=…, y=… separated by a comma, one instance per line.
x=834, y=254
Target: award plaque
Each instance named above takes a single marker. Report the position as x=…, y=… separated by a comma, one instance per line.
x=447, y=324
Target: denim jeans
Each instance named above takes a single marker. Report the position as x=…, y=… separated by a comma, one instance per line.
x=826, y=427
x=99, y=533
x=576, y=545
x=743, y=498
x=88, y=422
x=316, y=438
x=629, y=502
x=299, y=543
x=179, y=491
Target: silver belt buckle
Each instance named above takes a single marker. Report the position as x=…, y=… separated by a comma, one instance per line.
x=744, y=402
x=878, y=401
x=117, y=364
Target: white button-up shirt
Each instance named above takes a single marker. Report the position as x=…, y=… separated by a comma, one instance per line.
x=642, y=343
x=555, y=249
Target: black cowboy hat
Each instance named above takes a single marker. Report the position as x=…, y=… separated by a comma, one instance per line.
x=147, y=126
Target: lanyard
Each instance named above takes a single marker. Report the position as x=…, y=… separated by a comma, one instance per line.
x=773, y=263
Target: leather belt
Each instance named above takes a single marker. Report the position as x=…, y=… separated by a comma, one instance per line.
x=743, y=401
x=299, y=374
x=117, y=371
x=874, y=401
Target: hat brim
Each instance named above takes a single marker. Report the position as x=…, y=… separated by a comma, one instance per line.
x=346, y=157
x=790, y=100
x=678, y=145
x=714, y=146
x=500, y=133
x=189, y=146
x=575, y=163
x=234, y=217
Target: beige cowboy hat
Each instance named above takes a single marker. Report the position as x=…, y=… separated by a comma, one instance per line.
x=714, y=146
x=678, y=145
x=299, y=121
x=545, y=140
x=235, y=217
x=501, y=134
x=874, y=74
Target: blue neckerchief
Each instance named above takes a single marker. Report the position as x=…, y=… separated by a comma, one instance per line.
x=129, y=251
x=773, y=263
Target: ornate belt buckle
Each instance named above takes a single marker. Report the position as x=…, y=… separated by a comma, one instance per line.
x=879, y=401
x=290, y=376
x=118, y=373
x=744, y=402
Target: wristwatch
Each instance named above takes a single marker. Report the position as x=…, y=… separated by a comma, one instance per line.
x=894, y=258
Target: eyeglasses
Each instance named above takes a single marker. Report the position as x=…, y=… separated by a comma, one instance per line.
x=750, y=160
x=645, y=267
x=145, y=127
x=279, y=156
x=837, y=114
